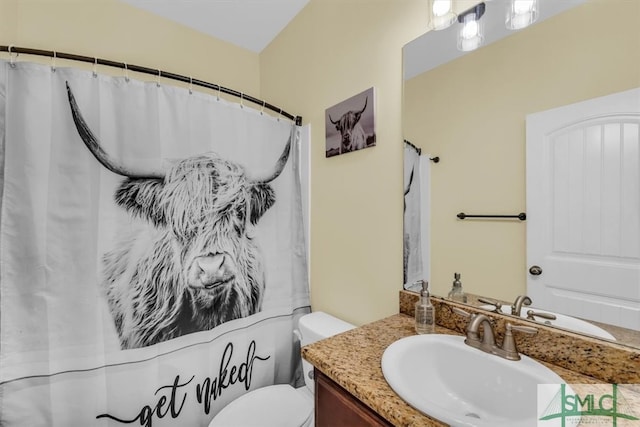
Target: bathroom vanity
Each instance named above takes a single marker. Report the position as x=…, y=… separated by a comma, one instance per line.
x=334, y=406
x=351, y=388
x=348, y=365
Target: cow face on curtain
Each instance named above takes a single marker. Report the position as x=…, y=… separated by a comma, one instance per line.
x=199, y=268
x=152, y=254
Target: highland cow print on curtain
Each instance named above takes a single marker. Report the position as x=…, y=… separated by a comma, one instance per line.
x=152, y=256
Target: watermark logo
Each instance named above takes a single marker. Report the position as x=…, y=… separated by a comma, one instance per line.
x=588, y=405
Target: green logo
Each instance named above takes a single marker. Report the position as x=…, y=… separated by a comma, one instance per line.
x=609, y=407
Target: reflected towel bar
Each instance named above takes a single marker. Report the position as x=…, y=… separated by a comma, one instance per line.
x=521, y=216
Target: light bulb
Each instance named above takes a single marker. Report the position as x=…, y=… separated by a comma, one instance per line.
x=441, y=14
x=523, y=6
x=470, y=35
x=441, y=7
x=470, y=29
x=520, y=21
x=521, y=14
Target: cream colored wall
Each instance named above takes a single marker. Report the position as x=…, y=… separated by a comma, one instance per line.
x=471, y=113
x=114, y=30
x=335, y=49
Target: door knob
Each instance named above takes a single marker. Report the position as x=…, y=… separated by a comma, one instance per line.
x=535, y=270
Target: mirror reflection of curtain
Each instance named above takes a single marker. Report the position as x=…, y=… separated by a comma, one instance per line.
x=416, y=209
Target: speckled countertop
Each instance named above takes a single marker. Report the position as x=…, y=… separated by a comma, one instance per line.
x=352, y=359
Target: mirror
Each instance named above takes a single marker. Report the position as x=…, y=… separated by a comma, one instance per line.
x=469, y=110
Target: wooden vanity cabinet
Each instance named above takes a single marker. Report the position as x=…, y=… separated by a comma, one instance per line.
x=334, y=406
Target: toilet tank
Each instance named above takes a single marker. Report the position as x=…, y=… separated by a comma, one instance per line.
x=319, y=325
x=315, y=327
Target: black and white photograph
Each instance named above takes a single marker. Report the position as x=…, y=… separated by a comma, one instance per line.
x=350, y=125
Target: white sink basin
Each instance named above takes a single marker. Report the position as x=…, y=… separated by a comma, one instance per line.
x=448, y=380
x=561, y=321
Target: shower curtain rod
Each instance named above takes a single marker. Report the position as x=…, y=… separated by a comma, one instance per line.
x=418, y=150
x=145, y=70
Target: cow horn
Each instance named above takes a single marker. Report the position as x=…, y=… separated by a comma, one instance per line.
x=282, y=161
x=93, y=145
x=332, y=121
x=365, y=106
x=406, y=190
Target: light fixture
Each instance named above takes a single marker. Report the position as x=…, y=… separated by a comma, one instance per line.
x=441, y=14
x=471, y=34
x=521, y=13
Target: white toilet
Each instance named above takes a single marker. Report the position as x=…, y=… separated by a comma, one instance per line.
x=282, y=405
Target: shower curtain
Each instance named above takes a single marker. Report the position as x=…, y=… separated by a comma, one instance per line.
x=416, y=221
x=152, y=255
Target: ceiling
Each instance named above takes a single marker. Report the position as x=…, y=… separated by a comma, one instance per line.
x=250, y=24
x=253, y=24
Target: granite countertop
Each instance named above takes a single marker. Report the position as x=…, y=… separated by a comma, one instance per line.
x=352, y=360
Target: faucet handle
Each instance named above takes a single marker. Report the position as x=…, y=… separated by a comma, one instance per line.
x=526, y=329
x=496, y=304
x=509, y=344
x=531, y=315
x=461, y=312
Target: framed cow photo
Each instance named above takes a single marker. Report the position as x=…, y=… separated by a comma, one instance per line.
x=351, y=124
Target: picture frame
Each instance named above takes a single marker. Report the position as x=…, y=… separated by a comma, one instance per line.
x=351, y=124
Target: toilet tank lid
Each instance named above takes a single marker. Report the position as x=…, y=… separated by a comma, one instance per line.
x=319, y=325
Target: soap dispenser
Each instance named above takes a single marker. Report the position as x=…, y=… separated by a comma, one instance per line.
x=457, y=293
x=425, y=312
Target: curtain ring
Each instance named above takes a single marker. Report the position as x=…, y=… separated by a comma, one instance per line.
x=95, y=67
x=262, y=110
x=190, y=85
x=12, y=58
x=279, y=114
x=53, y=62
x=126, y=72
x=241, y=99
x=219, y=88
x=158, y=78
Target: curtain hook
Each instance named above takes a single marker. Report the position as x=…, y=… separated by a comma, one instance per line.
x=279, y=114
x=126, y=72
x=158, y=78
x=12, y=58
x=262, y=110
x=219, y=88
x=241, y=100
x=53, y=62
x=190, y=85
x=95, y=67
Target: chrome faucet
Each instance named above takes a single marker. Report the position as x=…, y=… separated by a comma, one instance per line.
x=488, y=342
x=521, y=300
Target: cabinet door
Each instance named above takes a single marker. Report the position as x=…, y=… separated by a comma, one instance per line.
x=334, y=406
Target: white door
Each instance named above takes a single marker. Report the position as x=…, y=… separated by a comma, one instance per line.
x=583, y=209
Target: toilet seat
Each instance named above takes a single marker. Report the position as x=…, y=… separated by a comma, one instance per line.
x=277, y=405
